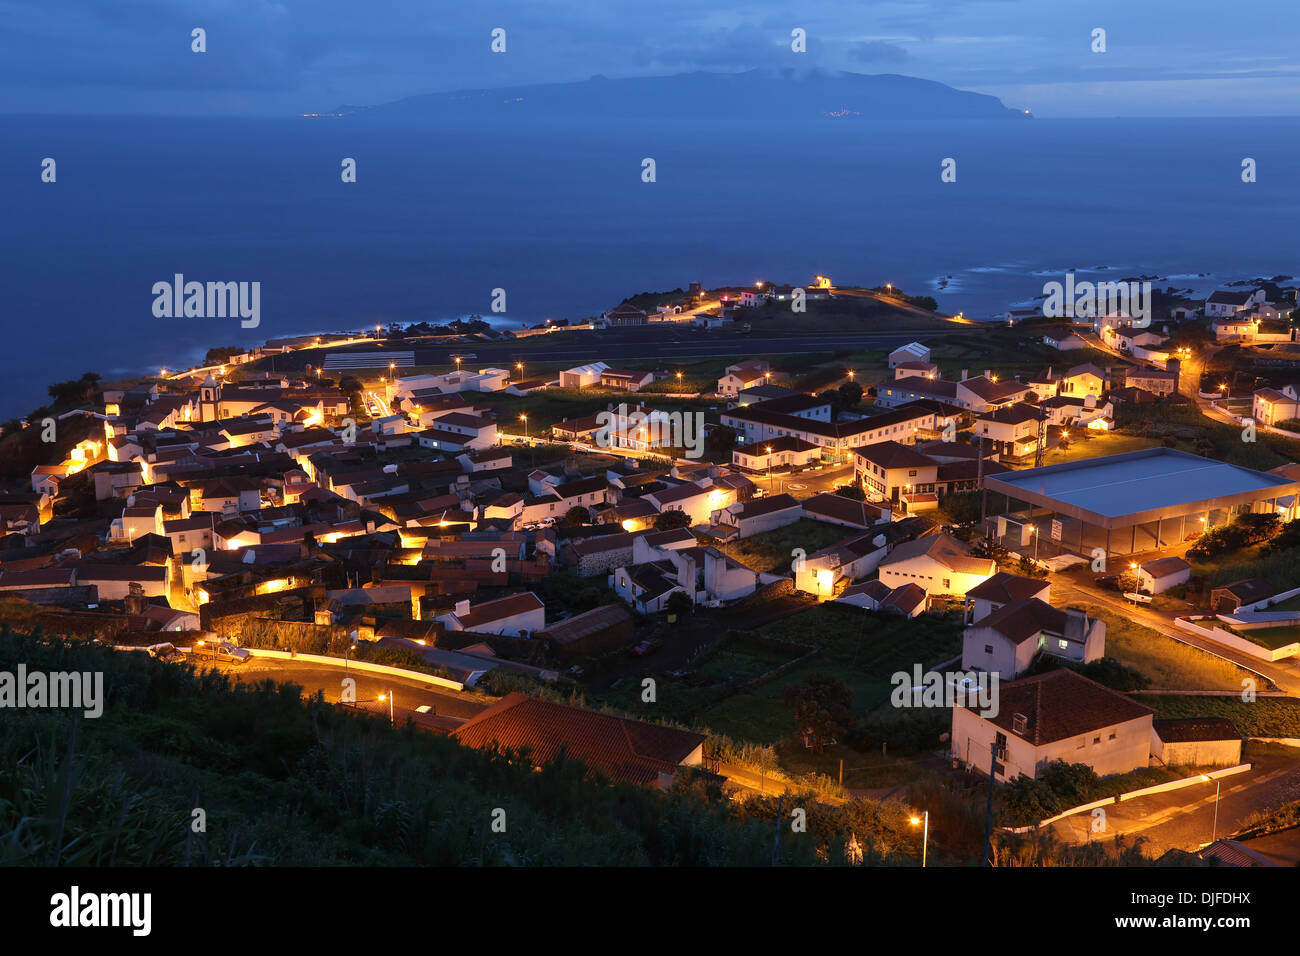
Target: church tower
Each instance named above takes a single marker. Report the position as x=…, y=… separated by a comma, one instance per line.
x=209, y=400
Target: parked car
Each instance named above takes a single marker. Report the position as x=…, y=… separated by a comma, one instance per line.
x=224, y=651
x=646, y=647
x=165, y=652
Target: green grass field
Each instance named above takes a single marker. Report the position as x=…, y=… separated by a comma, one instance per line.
x=1263, y=717
x=772, y=550
x=1169, y=664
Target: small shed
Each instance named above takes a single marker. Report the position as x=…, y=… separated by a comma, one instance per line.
x=1198, y=741
x=596, y=631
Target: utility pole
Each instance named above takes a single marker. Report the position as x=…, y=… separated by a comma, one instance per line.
x=979, y=482
x=988, y=810
x=1042, y=436
x=776, y=837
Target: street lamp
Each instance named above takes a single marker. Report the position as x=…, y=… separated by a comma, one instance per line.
x=389, y=697
x=768, y=449
x=1033, y=529
x=524, y=419
x=924, y=820
x=1218, y=783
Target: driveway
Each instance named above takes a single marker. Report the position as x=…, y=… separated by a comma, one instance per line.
x=1184, y=819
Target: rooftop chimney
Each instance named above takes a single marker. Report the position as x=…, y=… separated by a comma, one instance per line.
x=462, y=608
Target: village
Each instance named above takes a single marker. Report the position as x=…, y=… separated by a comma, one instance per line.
x=718, y=563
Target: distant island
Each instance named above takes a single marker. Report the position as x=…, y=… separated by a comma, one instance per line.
x=755, y=94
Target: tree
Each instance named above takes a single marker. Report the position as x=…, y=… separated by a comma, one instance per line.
x=577, y=515
x=679, y=603
x=833, y=398
x=221, y=354
x=721, y=439
x=823, y=707
x=853, y=492
x=850, y=394
x=672, y=520
x=963, y=507
x=75, y=390
x=990, y=548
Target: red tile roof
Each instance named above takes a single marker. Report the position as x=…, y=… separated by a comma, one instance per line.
x=1061, y=704
x=622, y=749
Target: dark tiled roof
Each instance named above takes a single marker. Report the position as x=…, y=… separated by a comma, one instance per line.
x=1004, y=588
x=1061, y=704
x=1021, y=620
x=622, y=749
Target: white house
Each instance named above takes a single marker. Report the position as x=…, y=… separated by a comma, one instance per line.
x=697, y=501
x=821, y=572
x=911, y=352
x=1006, y=641
x=1085, y=379
x=1272, y=406
x=705, y=574
x=938, y=564
x=519, y=615
x=760, y=514
x=1002, y=589
x=583, y=376
x=1054, y=716
x=1227, y=302
x=1161, y=574
x=743, y=375
x=1063, y=338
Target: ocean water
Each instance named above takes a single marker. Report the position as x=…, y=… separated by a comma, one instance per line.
x=557, y=215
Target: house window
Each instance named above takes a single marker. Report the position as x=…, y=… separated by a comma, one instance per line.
x=1096, y=740
x=988, y=648
x=1063, y=644
x=947, y=582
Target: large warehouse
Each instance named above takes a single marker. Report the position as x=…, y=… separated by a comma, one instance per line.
x=1130, y=503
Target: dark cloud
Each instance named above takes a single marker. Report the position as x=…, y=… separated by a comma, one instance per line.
x=284, y=56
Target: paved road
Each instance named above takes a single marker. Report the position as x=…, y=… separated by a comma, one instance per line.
x=1067, y=589
x=660, y=341
x=1184, y=819
x=809, y=482
x=322, y=677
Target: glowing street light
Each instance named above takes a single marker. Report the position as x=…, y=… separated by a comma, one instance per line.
x=1218, y=784
x=392, y=719
x=923, y=820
